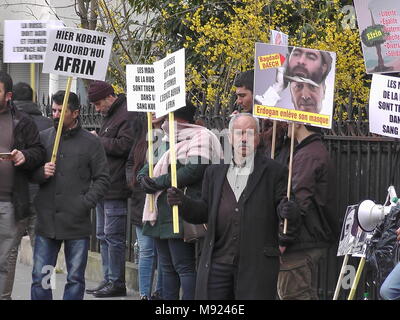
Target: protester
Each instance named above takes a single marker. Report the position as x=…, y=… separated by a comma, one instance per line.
x=22, y=99
x=69, y=188
x=196, y=147
x=390, y=289
x=147, y=250
x=118, y=131
x=19, y=137
x=243, y=202
x=244, y=90
x=313, y=182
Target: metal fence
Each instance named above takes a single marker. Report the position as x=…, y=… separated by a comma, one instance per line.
x=365, y=165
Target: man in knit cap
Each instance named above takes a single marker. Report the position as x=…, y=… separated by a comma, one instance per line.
x=118, y=132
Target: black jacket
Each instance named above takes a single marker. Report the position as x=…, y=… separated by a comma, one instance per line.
x=258, y=265
x=82, y=177
x=33, y=111
x=117, y=134
x=42, y=123
x=313, y=181
x=26, y=139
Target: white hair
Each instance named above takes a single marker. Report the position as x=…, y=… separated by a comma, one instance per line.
x=244, y=114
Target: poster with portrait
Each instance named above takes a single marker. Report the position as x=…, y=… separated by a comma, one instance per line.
x=379, y=27
x=360, y=243
x=294, y=84
x=349, y=231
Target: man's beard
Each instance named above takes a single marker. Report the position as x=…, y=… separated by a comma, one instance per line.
x=56, y=122
x=301, y=71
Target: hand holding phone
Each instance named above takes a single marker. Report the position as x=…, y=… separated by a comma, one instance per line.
x=5, y=155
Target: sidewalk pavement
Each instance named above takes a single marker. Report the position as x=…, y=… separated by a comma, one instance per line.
x=23, y=280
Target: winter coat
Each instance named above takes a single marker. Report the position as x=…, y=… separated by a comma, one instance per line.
x=117, y=134
x=82, y=177
x=42, y=123
x=258, y=262
x=26, y=139
x=313, y=182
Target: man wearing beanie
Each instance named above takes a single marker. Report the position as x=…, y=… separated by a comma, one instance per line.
x=118, y=132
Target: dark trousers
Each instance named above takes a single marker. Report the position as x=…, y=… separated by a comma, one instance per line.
x=222, y=281
x=178, y=265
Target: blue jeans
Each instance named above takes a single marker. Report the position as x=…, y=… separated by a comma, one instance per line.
x=147, y=264
x=111, y=231
x=44, y=260
x=390, y=289
x=178, y=265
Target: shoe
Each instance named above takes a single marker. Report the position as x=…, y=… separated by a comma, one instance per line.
x=99, y=287
x=144, y=298
x=110, y=290
x=156, y=296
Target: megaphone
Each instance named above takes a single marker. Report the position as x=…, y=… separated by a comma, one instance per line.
x=369, y=214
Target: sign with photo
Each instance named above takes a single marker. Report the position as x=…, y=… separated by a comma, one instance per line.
x=349, y=232
x=294, y=84
x=379, y=27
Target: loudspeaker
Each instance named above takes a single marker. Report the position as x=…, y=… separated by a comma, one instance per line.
x=369, y=214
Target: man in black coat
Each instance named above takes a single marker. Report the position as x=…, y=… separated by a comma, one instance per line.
x=243, y=201
x=22, y=99
x=68, y=190
x=313, y=182
x=117, y=134
x=22, y=152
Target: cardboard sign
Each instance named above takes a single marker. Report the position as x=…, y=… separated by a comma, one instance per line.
x=25, y=41
x=78, y=53
x=141, y=88
x=170, y=83
x=384, y=106
x=294, y=84
x=379, y=27
x=279, y=38
x=349, y=232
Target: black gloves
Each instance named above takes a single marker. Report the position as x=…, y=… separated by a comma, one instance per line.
x=290, y=210
x=175, y=197
x=148, y=184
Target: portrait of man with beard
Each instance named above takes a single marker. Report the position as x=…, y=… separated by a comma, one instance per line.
x=304, y=72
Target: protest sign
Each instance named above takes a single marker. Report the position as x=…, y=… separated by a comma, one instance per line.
x=170, y=83
x=294, y=84
x=78, y=53
x=379, y=27
x=279, y=38
x=361, y=242
x=140, y=88
x=349, y=231
x=384, y=106
x=25, y=41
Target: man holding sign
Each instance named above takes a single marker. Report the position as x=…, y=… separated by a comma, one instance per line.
x=313, y=181
x=243, y=202
x=68, y=190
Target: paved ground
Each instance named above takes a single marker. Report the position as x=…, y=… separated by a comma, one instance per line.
x=23, y=279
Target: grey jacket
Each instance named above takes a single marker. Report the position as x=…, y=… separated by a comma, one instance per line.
x=82, y=177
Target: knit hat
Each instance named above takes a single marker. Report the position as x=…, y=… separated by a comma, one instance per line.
x=99, y=90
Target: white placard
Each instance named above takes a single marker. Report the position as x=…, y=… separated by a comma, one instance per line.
x=25, y=41
x=140, y=88
x=384, y=106
x=349, y=232
x=279, y=38
x=78, y=53
x=170, y=80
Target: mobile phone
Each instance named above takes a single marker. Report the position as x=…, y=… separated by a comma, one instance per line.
x=5, y=155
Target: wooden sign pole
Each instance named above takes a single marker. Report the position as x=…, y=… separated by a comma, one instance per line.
x=172, y=157
x=150, y=154
x=60, y=124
